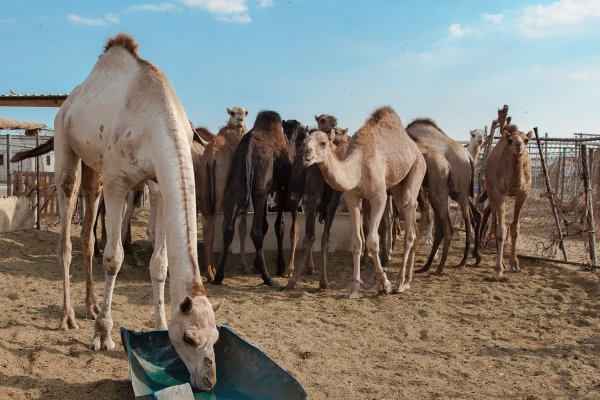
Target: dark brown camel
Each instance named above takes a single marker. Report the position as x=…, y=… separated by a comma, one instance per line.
x=261, y=165
x=318, y=198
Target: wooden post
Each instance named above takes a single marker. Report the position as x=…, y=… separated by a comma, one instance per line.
x=588, y=204
x=37, y=178
x=8, y=169
x=563, y=171
x=550, y=194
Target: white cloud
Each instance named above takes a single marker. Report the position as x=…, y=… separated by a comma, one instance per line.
x=583, y=76
x=107, y=19
x=494, y=18
x=265, y=3
x=161, y=7
x=235, y=11
x=457, y=31
x=541, y=20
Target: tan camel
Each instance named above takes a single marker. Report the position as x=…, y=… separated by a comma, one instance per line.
x=126, y=123
x=426, y=131
x=212, y=175
x=380, y=157
x=507, y=172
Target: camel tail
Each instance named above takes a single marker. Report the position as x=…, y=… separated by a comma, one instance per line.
x=36, y=151
x=211, y=171
x=472, y=183
x=249, y=168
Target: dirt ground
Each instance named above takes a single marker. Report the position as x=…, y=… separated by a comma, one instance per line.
x=535, y=336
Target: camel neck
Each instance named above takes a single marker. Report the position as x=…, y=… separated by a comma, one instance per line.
x=474, y=150
x=175, y=175
x=342, y=175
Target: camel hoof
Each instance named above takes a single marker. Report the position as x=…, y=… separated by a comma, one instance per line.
x=246, y=270
x=353, y=295
x=272, y=283
x=68, y=322
x=218, y=280
x=401, y=288
x=99, y=343
x=323, y=285
x=437, y=273
x=288, y=273
x=386, y=287
x=290, y=285
x=421, y=270
x=310, y=271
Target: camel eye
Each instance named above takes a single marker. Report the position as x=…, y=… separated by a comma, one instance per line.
x=322, y=120
x=526, y=141
x=322, y=144
x=188, y=339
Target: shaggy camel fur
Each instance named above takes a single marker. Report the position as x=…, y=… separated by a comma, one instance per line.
x=126, y=123
x=204, y=133
x=212, y=175
x=507, y=172
x=318, y=198
x=425, y=131
x=261, y=165
x=380, y=157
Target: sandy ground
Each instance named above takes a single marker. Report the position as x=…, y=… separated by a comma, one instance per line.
x=461, y=335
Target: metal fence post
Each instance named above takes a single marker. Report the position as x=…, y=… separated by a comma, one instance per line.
x=37, y=178
x=588, y=204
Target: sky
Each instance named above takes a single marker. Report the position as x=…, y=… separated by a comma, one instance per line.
x=455, y=61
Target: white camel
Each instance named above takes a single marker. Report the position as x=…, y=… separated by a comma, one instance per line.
x=126, y=123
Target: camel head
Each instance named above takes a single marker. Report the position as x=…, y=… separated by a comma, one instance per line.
x=295, y=133
x=517, y=140
x=193, y=333
x=237, y=116
x=316, y=145
x=341, y=136
x=326, y=122
x=477, y=137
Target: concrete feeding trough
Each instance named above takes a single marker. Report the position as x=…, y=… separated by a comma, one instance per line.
x=339, y=238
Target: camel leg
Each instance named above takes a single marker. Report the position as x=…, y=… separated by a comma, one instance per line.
x=353, y=203
x=332, y=206
x=364, y=231
x=257, y=233
x=378, y=205
x=446, y=233
x=514, y=231
x=209, y=233
x=385, y=232
x=229, y=218
x=114, y=197
x=279, y=228
x=126, y=230
x=159, y=265
x=294, y=235
x=310, y=261
x=464, y=208
x=310, y=211
x=499, y=209
x=153, y=193
x=91, y=187
x=99, y=215
x=405, y=195
x=242, y=228
x=477, y=222
x=67, y=170
x=428, y=211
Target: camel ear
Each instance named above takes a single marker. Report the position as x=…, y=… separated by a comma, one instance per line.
x=331, y=135
x=186, y=305
x=229, y=111
x=317, y=118
x=505, y=133
x=217, y=305
x=246, y=112
x=343, y=131
x=529, y=134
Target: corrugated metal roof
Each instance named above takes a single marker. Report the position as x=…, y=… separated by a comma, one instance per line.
x=13, y=124
x=32, y=100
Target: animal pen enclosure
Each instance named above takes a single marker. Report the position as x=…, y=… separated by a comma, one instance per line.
x=556, y=221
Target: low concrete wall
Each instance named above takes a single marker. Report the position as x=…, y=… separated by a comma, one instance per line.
x=16, y=213
x=339, y=236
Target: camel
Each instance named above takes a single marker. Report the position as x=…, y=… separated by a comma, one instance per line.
x=380, y=158
x=318, y=198
x=204, y=133
x=437, y=184
x=212, y=174
x=507, y=172
x=426, y=132
x=477, y=139
x=261, y=165
x=126, y=123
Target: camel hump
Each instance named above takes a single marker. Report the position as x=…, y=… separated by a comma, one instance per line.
x=123, y=40
x=381, y=113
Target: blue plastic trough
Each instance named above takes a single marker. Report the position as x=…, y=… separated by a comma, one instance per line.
x=243, y=371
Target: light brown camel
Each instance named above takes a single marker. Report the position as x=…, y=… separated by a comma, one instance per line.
x=213, y=172
x=126, y=123
x=425, y=131
x=477, y=137
x=507, y=172
x=380, y=158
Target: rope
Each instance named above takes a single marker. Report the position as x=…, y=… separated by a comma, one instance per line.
x=373, y=282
